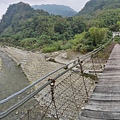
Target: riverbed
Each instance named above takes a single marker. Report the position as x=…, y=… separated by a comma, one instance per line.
x=12, y=79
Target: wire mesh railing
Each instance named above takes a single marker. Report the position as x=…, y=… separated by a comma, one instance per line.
x=61, y=94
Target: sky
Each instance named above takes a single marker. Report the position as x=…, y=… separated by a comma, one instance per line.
x=77, y=5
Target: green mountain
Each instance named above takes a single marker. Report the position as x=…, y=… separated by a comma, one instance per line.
x=62, y=10
x=97, y=5
x=102, y=13
x=23, y=26
x=16, y=13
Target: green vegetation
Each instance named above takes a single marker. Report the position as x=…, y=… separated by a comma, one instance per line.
x=54, y=9
x=37, y=30
x=98, y=5
x=84, y=42
x=117, y=39
x=102, y=13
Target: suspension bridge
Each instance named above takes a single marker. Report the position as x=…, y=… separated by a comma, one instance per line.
x=104, y=103
x=85, y=89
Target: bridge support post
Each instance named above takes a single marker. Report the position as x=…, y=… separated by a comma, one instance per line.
x=52, y=85
x=82, y=73
x=93, y=65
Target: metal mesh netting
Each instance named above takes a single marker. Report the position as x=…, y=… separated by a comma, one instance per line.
x=67, y=98
x=61, y=95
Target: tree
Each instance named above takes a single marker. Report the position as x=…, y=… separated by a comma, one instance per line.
x=118, y=23
x=97, y=34
x=44, y=39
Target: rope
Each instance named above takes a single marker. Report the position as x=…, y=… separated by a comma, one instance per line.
x=46, y=110
x=75, y=102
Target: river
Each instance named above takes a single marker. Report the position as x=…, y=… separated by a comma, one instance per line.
x=12, y=79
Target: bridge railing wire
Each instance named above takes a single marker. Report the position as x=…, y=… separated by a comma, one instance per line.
x=60, y=94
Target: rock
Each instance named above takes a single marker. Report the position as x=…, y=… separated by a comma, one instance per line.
x=82, y=108
x=64, y=55
x=76, y=69
x=16, y=113
x=55, y=53
x=50, y=59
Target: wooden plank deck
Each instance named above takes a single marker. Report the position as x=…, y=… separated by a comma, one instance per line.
x=104, y=103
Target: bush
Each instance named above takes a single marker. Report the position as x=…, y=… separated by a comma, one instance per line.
x=55, y=46
x=66, y=46
x=49, y=49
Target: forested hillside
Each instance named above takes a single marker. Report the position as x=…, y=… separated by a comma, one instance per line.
x=16, y=14
x=32, y=29
x=62, y=10
x=102, y=13
x=97, y=5
x=24, y=26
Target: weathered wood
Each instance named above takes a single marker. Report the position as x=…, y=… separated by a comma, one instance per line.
x=86, y=118
x=108, y=83
x=96, y=114
x=104, y=102
x=107, y=89
x=111, y=97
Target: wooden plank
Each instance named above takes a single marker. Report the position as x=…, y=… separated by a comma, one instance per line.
x=86, y=118
x=101, y=102
x=104, y=108
x=112, y=115
x=104, y=103
x=105, y=98
x=108, y=82
x=107, y=89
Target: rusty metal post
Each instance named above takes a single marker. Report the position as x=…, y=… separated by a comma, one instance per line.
x=52, y=85
x=93, y=65
x=80, y=63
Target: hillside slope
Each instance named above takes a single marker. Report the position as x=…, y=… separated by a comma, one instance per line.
x=36, y=29
x=23, y=26
x=62, y=10
x=97, y=5
x=16, y=13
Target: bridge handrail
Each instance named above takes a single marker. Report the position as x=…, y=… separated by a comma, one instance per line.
x=15, y=106
x=39, y=80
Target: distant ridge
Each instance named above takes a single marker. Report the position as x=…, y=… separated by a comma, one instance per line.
x=62, y=10
x=99, y=5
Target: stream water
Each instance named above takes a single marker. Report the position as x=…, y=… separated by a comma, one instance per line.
x=12, y=79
